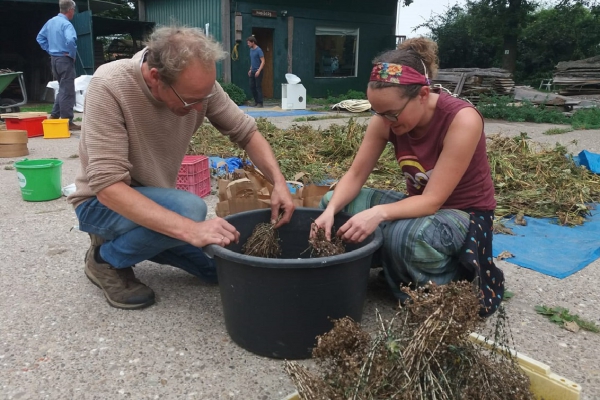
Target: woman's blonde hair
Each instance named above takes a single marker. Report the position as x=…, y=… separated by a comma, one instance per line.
x=417, y=53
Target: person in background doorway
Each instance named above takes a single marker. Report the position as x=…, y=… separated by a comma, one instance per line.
x=59, y=39
x=257, y=63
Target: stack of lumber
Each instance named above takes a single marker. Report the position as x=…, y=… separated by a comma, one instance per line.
x=526, y=93
x=471, y=83
x=578, y=77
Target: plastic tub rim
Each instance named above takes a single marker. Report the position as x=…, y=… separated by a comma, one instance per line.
x=52, y=163
x=214, y=250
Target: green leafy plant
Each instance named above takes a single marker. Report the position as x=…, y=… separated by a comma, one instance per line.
x=504, y=107
x=588, y=118
x=557, y=131
x=561, y=316
x=235, y=92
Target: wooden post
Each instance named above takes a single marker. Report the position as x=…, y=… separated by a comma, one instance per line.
x=290, y=42
x=226, y=39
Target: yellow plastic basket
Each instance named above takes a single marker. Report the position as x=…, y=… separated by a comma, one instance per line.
x=56, y=128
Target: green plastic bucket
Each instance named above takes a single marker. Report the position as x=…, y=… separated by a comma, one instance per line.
x=39, y=179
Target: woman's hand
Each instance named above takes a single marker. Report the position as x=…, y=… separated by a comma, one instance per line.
x=361, y=225
x=324, y=221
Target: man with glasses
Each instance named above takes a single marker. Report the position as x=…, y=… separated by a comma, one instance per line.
x=139, y=118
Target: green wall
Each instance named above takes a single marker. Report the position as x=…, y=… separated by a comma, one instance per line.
x=376, y=34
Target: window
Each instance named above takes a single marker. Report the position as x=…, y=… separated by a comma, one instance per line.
x=336, y=52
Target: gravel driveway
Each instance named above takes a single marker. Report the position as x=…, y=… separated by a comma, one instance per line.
x=59, y=338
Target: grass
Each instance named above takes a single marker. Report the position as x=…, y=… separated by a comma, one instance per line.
x=557, y=131
x=505, y=108
x=47, y=108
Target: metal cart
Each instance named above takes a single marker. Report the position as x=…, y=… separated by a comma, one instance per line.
x=8, y=105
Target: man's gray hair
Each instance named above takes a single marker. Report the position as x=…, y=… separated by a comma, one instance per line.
x=66, y=5
x=172, y=48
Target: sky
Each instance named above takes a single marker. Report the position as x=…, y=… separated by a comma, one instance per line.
x=418, y=12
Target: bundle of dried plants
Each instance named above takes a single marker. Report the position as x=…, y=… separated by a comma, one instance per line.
x=423, y=353
x=319, y=246
x=263, y=242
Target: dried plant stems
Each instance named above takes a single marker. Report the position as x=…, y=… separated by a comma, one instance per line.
x=263, y=242
x=425, y=354
x=319, y=246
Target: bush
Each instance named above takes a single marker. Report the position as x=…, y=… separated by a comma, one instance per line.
x=505, y=107
x=235, y=92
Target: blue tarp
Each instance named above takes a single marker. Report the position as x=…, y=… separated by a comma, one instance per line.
x=549, y=248
x=257, y=112
x=590, y=160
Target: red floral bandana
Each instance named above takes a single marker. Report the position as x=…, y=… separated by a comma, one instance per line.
x=399, y=74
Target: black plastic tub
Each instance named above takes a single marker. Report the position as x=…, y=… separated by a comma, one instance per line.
x=277, y=307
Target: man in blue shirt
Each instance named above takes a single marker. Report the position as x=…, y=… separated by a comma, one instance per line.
x=257, y=63
x=59, y=39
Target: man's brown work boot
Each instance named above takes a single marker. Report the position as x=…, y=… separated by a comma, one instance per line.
x=96, y=241
x=120, y=286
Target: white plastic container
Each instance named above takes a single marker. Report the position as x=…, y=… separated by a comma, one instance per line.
x=293, y=96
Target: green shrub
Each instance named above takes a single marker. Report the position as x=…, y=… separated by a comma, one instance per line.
x=588, y=118
x=504, y=107
x=235, y=92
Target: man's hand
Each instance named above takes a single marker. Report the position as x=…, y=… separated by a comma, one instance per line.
x=215, y=231
x=281, y=200
x=250, y=73
x=257, y=73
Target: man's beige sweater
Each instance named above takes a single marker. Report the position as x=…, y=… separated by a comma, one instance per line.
x=129, y=136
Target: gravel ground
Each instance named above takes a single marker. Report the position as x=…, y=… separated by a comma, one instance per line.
x=60, y=339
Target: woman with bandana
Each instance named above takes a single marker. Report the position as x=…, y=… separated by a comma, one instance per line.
x=442, y=230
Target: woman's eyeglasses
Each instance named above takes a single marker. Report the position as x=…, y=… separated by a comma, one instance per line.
x=393, y=117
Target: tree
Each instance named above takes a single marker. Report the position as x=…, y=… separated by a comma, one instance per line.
x=508, y=16
x=128, y=10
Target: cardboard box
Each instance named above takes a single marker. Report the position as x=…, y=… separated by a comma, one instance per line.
x=248, y=189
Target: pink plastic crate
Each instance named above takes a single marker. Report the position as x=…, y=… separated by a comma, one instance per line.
x=201, y=188
x=194, y=169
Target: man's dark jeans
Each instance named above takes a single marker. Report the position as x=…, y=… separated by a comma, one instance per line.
x=256, y=86
x=63, y=70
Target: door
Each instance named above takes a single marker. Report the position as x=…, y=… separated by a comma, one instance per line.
x=264, y=39
x=85, y=44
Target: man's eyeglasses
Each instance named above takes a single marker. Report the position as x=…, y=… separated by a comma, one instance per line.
x=193, y=103
x=389, y=116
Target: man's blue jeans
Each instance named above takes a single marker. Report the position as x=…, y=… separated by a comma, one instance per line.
x=129, y=243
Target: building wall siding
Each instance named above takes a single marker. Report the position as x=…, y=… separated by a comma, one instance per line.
x=191, y=13
x=376, y=34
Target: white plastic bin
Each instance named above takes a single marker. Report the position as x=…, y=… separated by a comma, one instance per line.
x=293, y=96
